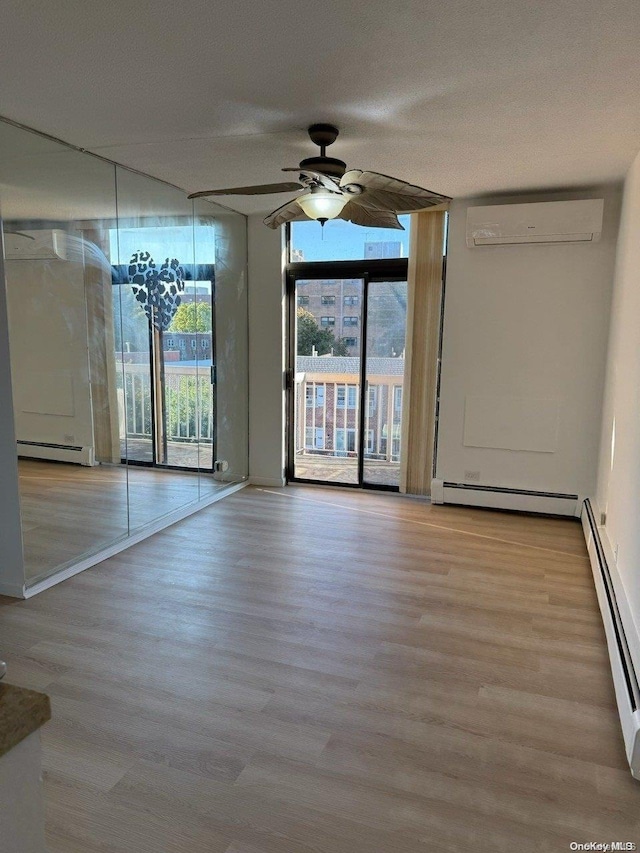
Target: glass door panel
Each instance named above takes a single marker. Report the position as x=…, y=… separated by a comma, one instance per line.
x=327, y=378
x=384, y=369
x=187, y=388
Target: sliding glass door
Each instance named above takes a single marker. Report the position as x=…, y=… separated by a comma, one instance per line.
x=384, y=382
x=346, y=379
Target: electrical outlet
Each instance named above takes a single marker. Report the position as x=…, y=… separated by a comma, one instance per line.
x=472, y=476
x=221, y=465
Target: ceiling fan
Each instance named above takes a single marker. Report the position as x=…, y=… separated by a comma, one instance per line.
x=333, y=192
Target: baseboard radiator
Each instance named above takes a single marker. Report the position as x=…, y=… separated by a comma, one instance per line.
x=624, y=673
x=56, y=452
x=498, y=497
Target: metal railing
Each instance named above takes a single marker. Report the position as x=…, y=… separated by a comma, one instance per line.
x=188, y=402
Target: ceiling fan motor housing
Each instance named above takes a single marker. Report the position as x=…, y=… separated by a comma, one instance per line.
x=325, y=165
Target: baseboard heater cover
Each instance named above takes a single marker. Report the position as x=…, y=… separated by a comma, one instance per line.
x=625, y=679
x=56, y=452
x=501, y=497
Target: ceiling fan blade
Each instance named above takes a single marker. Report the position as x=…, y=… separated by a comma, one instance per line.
x=383, y=192
x=287, y=213
x=261, y=189
x=368, y=217
x=307, y=177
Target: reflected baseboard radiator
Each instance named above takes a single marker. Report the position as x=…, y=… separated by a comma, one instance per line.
x=614, y=610
x=500, y=497
x=56, y=452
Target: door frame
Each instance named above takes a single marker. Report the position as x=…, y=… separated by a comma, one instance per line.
x=193, y=273
x=372, y=270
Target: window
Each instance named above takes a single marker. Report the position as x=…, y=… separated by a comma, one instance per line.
x=314, y=395
x=319, y=438
x=351, y=300
x=327, y=321
x=181, y=343
x=397, y=398
x=303, y=300
x=350, y=321
x=345, y=440
x=170, y=343
x=194, y=343
x=308, y=437
x=204, y=343
x=373, y=400
x=350, y=342
x=328, y=300
x=369, y=441
x=346, y=396
x=344, y=241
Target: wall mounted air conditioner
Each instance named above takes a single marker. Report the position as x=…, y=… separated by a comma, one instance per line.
x=540, y=222
x=23, y=245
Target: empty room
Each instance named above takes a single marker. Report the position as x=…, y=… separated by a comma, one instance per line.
x=319, y=436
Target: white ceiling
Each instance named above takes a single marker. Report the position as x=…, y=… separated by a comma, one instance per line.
x=463, y=97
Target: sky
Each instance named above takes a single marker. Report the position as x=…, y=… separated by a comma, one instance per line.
x=343, y=241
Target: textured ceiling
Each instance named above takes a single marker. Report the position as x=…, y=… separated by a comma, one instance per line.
x=458, y=96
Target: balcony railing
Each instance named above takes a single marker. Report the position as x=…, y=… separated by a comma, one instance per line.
x=188, y=402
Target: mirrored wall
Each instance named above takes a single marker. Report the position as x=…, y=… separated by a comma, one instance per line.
x=127, y=309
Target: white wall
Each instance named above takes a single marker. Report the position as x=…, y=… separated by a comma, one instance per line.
x=525, y=335
x=618, y=489
x=49, y=355
x=266, y=354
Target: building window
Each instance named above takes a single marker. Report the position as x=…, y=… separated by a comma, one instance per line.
x=328, y=300
x=350, y=321
x=369, y=441
x=352, y=300
x=352, y=396
x=314, y=396
x=373, y=400
x=194, y=344
x=308, y=437
x=397, y=398
x=170, y=343
x=303, y=300
x=204, y=343
x=350, y=342
x=181, y=343
x=319, y=438
x=327, y=321
x=345, y=440
x=341, y=397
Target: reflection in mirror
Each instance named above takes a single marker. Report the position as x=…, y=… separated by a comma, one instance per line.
x=58, y=206
x=128, y=343
x=221, y=239
x=154, y=276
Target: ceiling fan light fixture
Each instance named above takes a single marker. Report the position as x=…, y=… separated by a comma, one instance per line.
x=322, y=204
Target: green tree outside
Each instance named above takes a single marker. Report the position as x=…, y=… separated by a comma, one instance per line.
x=192, y=317
x=310, y=335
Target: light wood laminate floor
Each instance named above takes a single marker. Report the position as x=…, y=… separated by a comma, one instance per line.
x=70, y=511
x=311, y=670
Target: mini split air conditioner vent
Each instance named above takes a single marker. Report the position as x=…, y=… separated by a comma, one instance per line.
x=40, y=245
x=541, y=222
